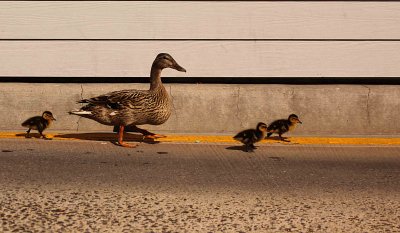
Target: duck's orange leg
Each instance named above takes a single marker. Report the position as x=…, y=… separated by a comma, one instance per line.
x=146, y=134
x=121, y=138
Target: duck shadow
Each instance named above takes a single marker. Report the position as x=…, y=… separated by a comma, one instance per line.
x=109, y=137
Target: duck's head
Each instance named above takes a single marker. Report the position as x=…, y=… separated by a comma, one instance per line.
x=164, y=60
x=293, y=118
x=262, y=126
x=48, y=116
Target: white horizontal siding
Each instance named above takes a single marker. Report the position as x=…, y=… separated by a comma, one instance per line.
x=199, y=20
x=201, y=58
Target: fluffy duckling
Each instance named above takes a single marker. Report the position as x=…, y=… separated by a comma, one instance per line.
x=39, y=123
x=250, y=136
x=283, y=125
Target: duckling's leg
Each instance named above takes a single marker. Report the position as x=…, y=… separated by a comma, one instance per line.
x=28, y=133
x=283, y=139
x=44, y=136
x=121, y=137
x=249, y=147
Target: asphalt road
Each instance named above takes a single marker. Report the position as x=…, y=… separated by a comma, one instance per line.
x=90, y=186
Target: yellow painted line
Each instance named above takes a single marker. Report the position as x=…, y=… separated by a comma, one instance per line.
x=211, y=139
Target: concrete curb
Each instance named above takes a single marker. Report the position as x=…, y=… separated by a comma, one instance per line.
x=221, y=109
x=90, y=136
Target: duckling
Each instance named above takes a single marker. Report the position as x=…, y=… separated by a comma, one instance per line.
x=283, y=125
x=39, y=123
x=133, y=107
x=250, y=136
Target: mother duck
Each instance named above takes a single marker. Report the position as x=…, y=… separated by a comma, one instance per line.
x=133, y=107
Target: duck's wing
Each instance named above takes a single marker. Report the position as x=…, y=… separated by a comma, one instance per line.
x=118, y=99
x=245, y=135
x=275, y=125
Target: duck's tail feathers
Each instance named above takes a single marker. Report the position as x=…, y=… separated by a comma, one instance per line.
x=80, y=112
x=238, y=137
x=83, y=101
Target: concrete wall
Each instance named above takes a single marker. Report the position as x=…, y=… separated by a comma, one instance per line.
x=209, y=109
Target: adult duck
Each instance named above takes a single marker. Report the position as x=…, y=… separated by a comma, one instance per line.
x=133, y=107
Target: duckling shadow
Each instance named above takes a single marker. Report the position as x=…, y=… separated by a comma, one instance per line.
x=109, y=137
x=241, y=148
x=31, y=135
x=276, y=138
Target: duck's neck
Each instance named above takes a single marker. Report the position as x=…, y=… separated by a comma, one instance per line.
x=260, y=133
x=155, y=78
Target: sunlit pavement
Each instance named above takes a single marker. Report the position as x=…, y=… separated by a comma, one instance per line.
x=96, y=186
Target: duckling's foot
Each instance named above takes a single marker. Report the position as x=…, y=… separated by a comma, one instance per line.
x=249, y=148
x=28, y=136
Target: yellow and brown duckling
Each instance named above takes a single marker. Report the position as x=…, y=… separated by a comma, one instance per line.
x=250, y=136
x=39, y=123
x=283, y=125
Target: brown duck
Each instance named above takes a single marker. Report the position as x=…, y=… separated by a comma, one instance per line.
x=134, y=107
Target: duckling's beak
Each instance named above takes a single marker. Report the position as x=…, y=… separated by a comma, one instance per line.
x=300, y=122
x=179, y=68
x=54, y=119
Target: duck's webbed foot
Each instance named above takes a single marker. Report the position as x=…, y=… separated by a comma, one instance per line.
x=124, y=144
x=121, y=139
x=154, y=136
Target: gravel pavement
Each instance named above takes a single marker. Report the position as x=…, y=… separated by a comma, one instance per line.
x=91, y=186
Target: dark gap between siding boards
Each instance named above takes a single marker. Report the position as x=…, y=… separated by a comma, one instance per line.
x=218, y=80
